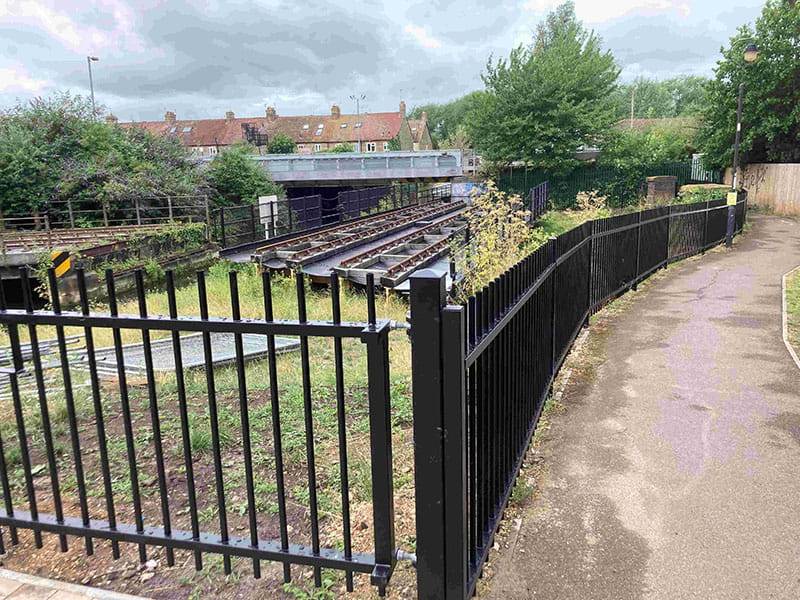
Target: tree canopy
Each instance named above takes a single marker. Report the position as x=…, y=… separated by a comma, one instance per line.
x=771, y=111
x=281, y=144
x=676, y=97
x=547, y=100
x=445, y=119
x=53, y=149
x=236, y=179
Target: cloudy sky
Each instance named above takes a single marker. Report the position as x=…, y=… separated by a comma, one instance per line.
x=203, y=57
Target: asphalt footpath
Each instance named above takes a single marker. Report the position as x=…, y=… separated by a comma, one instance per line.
x=673, y=470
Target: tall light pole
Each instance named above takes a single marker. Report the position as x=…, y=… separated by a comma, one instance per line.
x=358, y=98
x=89, y=61
x=750, y=56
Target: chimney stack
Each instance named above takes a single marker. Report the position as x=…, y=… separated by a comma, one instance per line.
x=424, y=116
x=335, y=111
x=111, y=119
x=271, y=114
x=230, y=116
x=403, y=108
x=169, y=116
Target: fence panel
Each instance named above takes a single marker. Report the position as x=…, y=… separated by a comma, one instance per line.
x=190, y=470
x=483, y=370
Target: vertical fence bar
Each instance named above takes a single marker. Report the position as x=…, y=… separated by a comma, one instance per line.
x=222, y=225
x=127, y=419
x=277, y=442
x=71, y=216
x=155, y=420
x=309, y=425
x=342, y=427
x=138, y=211
x=99, y=419
x=44, y=409
x=213, y=417
x=638, y=251
x=184, y=417
x=455, y=451
x=69, y=401
x=253, y=233
x=427, y=300
x=380, y=437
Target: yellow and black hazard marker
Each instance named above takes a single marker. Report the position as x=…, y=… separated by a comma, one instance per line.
x=61, y=262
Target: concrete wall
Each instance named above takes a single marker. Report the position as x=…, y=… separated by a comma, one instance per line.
x=776, y=186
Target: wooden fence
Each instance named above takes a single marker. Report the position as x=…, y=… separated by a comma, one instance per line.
x=776, y=186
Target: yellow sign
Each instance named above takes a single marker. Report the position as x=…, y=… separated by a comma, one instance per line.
x=732, y=196
x=61, y=262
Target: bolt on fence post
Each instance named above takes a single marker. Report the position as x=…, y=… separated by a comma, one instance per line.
x=427, y=301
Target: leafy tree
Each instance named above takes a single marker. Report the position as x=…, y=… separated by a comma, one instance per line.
x=445, y=119
x=281, y=144
x=52, y=149
x=459, y=139
x=343, y=147
x=394, y=144
x=236, y=179
x=549, y=99
x=771, y=112
x=676, y=97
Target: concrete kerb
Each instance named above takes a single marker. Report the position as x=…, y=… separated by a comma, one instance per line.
x=61, y=589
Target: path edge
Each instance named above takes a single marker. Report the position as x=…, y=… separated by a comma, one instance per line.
x=785, y=317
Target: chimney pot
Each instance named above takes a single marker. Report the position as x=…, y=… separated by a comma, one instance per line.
x=335, y=111
x=169, y=116
x=229, y=115
x=271, y=113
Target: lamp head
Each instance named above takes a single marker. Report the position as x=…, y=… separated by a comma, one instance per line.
x=751, y=53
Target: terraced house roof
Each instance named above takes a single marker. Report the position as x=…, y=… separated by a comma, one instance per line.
x=308, y=129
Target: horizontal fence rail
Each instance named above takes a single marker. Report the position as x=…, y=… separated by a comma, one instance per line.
x=483, y=370
x=206, y=462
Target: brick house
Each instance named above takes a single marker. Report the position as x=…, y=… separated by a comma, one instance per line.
x=311, y=133
x=421, y=136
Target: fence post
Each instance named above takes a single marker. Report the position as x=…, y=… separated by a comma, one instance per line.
x=427, y=301
x=105, y=213
x=169, y=207
x=138, y=213
x=208, y=219
x=253, y=222
x=553, y=262
x=705, y=231
x=669, y=233
x=71, y=217
x=222, y=224
x=638, y=251
x=589, y=305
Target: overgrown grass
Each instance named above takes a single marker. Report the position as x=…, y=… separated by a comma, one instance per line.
x=793, y=308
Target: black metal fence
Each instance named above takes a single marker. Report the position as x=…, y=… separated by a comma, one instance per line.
x=538, y=198
x=234, y=226
x=563, y=187
x=482, y=371
x=173, y=478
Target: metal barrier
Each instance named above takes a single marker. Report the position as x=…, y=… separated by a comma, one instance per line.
x=158, y=518
x=483, y=370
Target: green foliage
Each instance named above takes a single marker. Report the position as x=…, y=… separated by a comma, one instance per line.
x=677, y=97
x=52, y=149
x=394, y=144
x=343, y=147
x=447, y=118
x=281, y=144
x=771, y=112
x=236, y=179
x=702, y=193
x=632, y=155
x=546, y=101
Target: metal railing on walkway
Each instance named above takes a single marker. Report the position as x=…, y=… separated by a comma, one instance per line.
x=482, y=370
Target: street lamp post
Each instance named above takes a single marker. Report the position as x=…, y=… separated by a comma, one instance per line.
x=750, y=56
x=358, y=98
x=89, y=61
